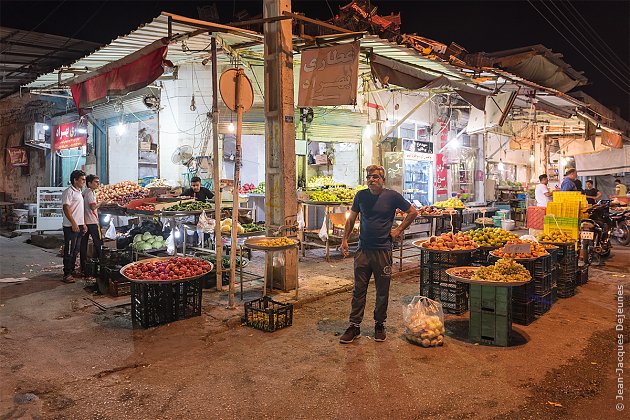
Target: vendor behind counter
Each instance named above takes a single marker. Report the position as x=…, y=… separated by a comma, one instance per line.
x=198, y=192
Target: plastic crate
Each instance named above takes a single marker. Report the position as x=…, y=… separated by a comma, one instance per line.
x=524, y=293
x=119, y=287
x=444, y=259
x=452, y=296
x=536, y=217
x=155, y=304
x=491, y=299
x=543, y=266
x=542, y=285
x=542, y=304
x=490, y=328
x=523, y=312
x=268, y=315
x=554, y=294
x=566, y=285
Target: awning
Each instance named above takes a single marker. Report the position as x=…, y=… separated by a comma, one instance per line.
x=404, y=75
x=134, y=72
x=604, y=163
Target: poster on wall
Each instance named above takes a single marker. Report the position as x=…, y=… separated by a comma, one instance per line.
x=17, y=156
x=329, y=76
x=67, y=136
x=441, y=185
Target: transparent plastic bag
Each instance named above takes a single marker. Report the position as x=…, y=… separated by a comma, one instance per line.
x=424, y=322
x=111, y=231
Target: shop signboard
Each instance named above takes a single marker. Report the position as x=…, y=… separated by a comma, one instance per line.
x=329, y=76
x=67, y=136
x=17, y=156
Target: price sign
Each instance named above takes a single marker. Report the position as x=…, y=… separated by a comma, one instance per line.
x=517, y=248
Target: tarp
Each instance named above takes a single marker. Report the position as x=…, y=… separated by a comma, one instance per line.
x=404, y=75
x=131, y=73
x=603, y=163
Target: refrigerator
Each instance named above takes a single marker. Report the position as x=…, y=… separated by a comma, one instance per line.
x=412, y=175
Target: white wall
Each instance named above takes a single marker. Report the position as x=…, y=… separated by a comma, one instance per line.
x=123, y=153
x=179, y=125
x=496, y=142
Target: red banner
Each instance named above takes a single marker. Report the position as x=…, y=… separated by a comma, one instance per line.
x=121, y=77
x=66, y=136
x=18, y=156
x=441, y=172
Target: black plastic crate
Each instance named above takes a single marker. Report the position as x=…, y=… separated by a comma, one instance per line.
x=444, y=259
x=111, y=257
x=268, y=315
x=542, y=285
x=156, y=303
x=523, y=312
x=554, y=294
x=542, y=304
x=454, y=297
x=523, y=294
x=543, y=266
x=564, y=293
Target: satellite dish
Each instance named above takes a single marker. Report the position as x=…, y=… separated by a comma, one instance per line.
x=183, y=155
x=227, y=87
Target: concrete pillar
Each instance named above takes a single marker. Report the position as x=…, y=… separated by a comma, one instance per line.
x=280, y=178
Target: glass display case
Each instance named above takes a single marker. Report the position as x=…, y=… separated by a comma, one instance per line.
x=49, y=208
x=411, y=174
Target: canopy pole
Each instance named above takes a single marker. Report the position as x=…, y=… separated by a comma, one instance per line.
x=216, y=173
x=237, y=176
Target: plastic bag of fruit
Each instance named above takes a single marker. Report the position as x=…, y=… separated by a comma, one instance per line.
x=424, y=322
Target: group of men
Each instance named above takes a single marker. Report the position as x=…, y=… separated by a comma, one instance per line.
x=571, y=183
x=80, y=221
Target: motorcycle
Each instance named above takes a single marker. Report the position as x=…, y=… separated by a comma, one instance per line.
x=597, y=231
x=621, y=229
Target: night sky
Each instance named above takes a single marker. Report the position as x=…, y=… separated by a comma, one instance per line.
x=476, y=25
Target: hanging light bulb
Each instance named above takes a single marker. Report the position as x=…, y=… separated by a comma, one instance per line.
x=367, y=131
x=532, y=158
x=46, y=127
x=455, y=143
x=120, y=129
x=501, y=166
x=231, y=127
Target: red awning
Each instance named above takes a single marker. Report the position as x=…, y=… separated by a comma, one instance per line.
x=126, y=75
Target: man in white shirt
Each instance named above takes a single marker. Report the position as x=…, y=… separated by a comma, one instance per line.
x=91, y=220
x=73, y=223
x=543, y=195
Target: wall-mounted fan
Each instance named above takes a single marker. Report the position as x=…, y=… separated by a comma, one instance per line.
x=183, y=155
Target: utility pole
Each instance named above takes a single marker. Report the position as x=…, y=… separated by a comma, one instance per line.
x=280, y=178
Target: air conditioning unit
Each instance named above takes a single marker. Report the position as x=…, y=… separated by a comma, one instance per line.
x=37, y=135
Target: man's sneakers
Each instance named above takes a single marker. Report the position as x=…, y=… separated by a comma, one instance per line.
x=351, y=333
x=67, y=278
x=379, y=333
x=355, y=332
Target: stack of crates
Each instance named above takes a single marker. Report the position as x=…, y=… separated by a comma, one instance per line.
x=564, y=212
x=437, y=285
x=490, y=314
x=567, y=270
x=536, y=297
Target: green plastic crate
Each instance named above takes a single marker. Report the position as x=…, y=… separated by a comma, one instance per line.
x=493, y=299
x=490, y=328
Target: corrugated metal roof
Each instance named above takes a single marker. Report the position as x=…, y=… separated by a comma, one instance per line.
x=25, y=54
x=189, y=50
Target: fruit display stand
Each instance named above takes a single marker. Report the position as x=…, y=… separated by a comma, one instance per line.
x=490, y=320
x=257, y=243
x=404, y=251
x=157, y=302
x=436, y=284
x=310, y=234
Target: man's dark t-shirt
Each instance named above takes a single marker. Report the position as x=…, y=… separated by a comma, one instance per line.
x=377, y=217
x=202, y=195
x=592, y=192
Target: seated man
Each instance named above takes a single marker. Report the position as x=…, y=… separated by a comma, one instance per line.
x=198, y=192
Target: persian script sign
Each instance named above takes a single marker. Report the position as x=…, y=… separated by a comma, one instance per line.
x=329, y=76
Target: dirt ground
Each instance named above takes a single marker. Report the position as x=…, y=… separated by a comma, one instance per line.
x=62, y=357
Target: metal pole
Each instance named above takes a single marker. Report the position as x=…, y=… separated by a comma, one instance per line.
x=237, y=175
x=216, y=173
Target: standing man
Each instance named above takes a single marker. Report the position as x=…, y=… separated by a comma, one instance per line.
x=90, y=216
x=543, y=195
x=620, y=189
x=198, y=192
x=377, y=206
x=73, y=223
x=592, y=193
x=568, y=183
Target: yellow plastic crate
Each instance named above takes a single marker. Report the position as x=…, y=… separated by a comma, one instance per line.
x=571, y=232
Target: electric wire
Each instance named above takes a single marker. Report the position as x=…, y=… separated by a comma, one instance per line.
x=607, y=63
x=576, y=14
x=577, y=49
